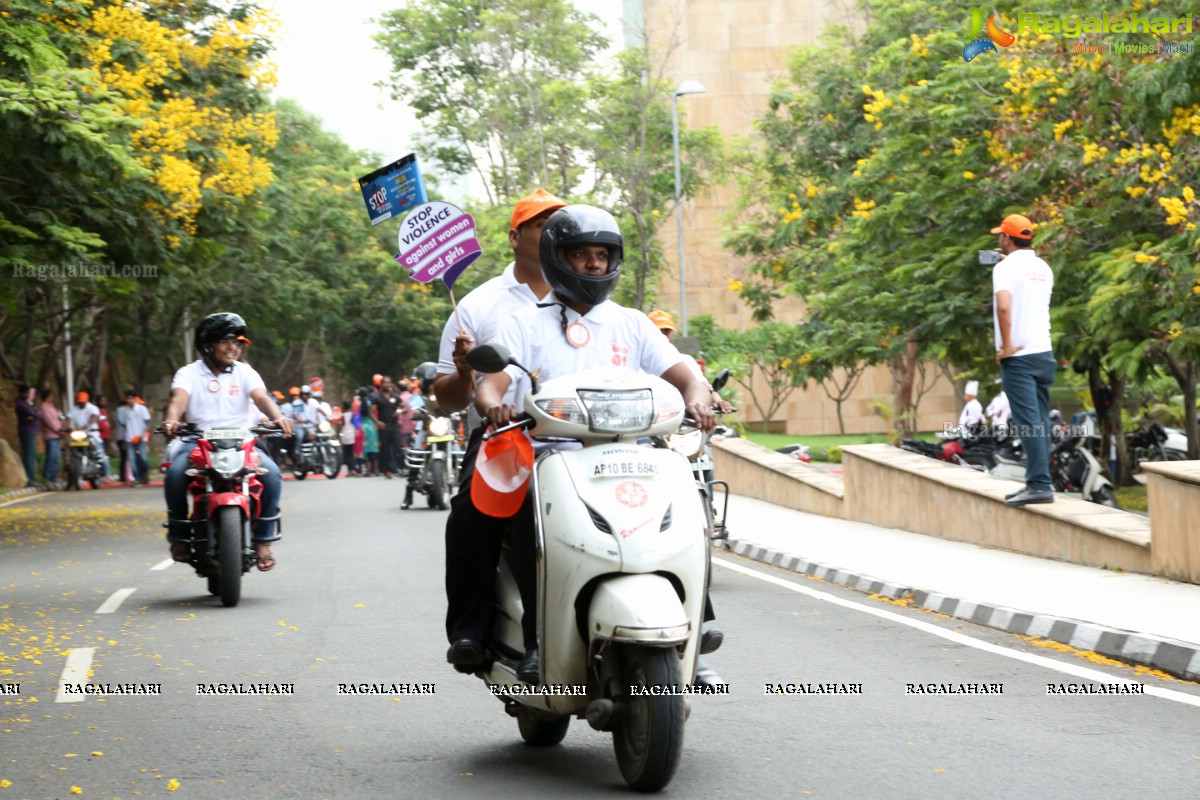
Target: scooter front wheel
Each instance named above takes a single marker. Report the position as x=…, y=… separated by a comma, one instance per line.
x=539, y=731
x=648, y=739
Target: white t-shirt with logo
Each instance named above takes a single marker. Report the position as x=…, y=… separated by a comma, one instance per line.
x=483, y=312
x=222, y=399
x=137, y=421
x=616, y=336
x=1031, y=283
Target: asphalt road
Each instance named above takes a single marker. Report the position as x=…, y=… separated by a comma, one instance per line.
x=357, y=598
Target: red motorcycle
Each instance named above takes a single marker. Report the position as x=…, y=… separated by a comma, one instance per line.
x=224, y=469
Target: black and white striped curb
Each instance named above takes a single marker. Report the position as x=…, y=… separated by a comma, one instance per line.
x=15, y=493
x=1173, y=657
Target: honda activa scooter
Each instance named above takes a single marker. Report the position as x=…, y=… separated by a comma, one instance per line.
x=622, y=559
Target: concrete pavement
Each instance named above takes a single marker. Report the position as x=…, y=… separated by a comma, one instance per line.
x=1138, y=619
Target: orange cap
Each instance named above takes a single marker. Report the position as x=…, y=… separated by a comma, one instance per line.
x=1016, y=225
x=376, y=379
x=81, y=397
x=502, y=471
x=294, y=390
x=278, y=395
x=317, y=385
x=539, y=202
x=662, y=320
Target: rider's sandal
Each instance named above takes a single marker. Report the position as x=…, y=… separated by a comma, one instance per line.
x=265, y=561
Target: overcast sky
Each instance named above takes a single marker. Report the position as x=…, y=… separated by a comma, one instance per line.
x=328, y=62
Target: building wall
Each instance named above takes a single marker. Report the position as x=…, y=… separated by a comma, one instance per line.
x=736, y=48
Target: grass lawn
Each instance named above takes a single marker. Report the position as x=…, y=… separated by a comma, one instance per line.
x=774, y=441
x=1132, y=498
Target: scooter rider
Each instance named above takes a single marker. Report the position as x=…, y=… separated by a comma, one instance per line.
x=581, y=249
x=219, y=391
x=473, y=539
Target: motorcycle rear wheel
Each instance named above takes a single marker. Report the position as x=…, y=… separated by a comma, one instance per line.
x=541, y=732
x=648, y=739
x=299, y=474
x=229, y=554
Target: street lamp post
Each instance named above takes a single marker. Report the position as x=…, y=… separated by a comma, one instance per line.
x=687, y=87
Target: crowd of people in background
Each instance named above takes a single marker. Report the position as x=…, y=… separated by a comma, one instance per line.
x=374, y=427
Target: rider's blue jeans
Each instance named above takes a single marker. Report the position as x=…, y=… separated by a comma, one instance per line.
x=175, y=489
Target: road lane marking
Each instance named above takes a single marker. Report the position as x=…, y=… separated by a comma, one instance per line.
x=24, y=499
x=163, y=564
x=79, y=663
x=114, y=601
x=960, y=638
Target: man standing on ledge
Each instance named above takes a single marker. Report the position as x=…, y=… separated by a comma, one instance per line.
x=1022, y=285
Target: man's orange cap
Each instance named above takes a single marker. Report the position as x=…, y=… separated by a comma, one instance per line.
x=531, y=206
x=1016, y=225
x=662, y=320
x=81, y=397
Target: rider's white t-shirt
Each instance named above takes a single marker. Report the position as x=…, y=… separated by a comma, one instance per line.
x=482, y=313
x=79, y=417
x=616, y=336
x=219, y=400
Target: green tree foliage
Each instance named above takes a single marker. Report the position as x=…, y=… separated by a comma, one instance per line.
x=886, y=159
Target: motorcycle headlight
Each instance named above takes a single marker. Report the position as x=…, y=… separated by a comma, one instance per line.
x=227, y=463
x=78, y=436
x=624, y=411
x=439, y=426
x=324, y=427
x=687, y=444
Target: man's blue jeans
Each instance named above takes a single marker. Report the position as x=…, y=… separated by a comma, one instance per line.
x=1027, y=381
x=50, y=468
x=29, y=457
x=175, y=488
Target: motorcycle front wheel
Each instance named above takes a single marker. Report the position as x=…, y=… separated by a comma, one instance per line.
x=539, y=731
x=648, y=740
x=229, y=554
x=439, y=495
x=332, y=462
x=299, y=474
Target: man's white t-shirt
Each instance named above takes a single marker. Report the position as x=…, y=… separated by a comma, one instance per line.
x=617, y=336
x=79, y=417
x=221, y=399
x=136, y=422
x=1031, y=283
x=482, y=313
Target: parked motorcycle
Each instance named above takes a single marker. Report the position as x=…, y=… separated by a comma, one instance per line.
x=319, y=452
x=85, y=462
x=225, y=492
x=432, y=458
x=622, y=563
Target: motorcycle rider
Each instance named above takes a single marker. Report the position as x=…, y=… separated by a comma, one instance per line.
x=577, y=328
x=425, y=374
x=666, y=325
x=219, y=391
x=85, y=416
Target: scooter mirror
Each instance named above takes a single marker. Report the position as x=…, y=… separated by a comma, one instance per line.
x=720, y=381
x=489, y=358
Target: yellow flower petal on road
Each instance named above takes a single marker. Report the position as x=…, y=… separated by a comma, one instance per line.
x=359, y=605
x=76, y=790
x=97, y=753
x=172, y=785
x=4, y=784
x=69, y=755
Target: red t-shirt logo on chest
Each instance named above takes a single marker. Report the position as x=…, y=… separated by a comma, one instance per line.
x=620, y=357
x=233, y=390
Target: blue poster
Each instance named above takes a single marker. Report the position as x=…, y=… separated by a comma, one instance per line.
x=393, y=189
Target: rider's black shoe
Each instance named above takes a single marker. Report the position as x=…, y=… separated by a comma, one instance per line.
x=530, y=668
x=466, y=655
x=711, y=641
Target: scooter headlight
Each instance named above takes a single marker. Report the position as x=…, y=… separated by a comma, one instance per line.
x=618, y=411
x=439, y=426
x=687, y=444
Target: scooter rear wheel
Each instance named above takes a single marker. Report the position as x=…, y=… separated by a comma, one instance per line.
x=648, y=739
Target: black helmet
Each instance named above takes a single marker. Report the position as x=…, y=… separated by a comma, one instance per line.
x=216, y=327
x=426, y=372
x=576, y=225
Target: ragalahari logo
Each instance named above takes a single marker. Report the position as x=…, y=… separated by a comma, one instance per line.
x=985, y=37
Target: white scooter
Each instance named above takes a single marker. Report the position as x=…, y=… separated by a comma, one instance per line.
x=622, y=560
